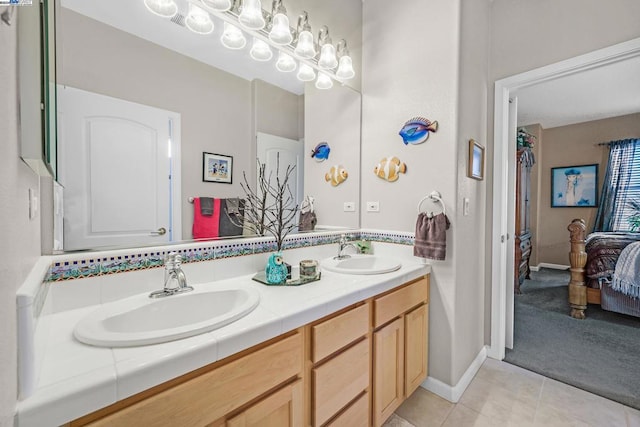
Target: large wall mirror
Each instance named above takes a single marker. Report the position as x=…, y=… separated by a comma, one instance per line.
x=128, y=79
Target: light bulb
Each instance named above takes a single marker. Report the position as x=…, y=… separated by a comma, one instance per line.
x=304, y=48
x=233, y=38
x=285, y=63
x=251, y=15
x=219, y=5
x=198, y=20
x=345, y=68
x=324, y=81
x=280, y=32
x=306, y=73
x=260, y=51
x=164, y=8
x=327, y=59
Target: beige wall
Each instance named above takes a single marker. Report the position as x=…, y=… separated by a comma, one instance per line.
x=20, y=236
x=446, y=82
x=568, y=146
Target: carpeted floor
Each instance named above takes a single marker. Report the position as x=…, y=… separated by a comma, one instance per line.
x=600, y=354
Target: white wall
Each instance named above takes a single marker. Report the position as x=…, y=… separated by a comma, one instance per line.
x=20, y=236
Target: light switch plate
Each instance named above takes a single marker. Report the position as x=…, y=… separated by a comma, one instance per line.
x=349, y=206
x=465, y=206
x=373, y=206
x=33, y=203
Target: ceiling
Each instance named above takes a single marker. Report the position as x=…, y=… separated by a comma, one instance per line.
x=598, y=93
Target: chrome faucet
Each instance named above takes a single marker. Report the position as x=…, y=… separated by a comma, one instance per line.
x=175, y=281
x=344, y=244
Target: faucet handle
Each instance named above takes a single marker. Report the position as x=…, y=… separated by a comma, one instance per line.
x=172, y=260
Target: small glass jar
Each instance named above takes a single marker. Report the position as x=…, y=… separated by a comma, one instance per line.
x=308, y=269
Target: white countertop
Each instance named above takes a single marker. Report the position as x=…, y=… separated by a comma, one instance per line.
x=76, y=379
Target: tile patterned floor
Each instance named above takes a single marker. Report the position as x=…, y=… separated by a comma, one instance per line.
x=506, y=395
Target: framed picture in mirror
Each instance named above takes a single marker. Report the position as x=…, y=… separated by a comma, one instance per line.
x=476, y=160
x=217, y=168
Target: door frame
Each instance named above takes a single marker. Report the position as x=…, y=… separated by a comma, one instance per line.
x=503, y=174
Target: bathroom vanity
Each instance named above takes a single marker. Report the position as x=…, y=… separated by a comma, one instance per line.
x=353, y=367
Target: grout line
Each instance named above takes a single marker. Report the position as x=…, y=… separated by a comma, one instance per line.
x=535, y=413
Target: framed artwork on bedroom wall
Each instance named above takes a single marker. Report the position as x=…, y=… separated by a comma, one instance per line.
x=476, y=160
x=574, y=186
x=217, y=168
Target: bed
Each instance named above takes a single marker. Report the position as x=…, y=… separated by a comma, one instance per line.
x=593, y=262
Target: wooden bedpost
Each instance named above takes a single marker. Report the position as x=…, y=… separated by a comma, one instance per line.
x=578, y=259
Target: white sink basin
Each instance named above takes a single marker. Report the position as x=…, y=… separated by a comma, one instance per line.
x=140, y=320
x=362, y=264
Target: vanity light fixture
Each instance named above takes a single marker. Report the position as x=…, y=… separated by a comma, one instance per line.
x=306, y=73
x=280, y=32
x=295, y=47
x=304, y=45
x=198, y=20
x=251, y=15
x=328, y=60
x=260, y=50
x=163, y=8
x=285, y=63
x=345, y=65
x=324, y=81
x=232, y=37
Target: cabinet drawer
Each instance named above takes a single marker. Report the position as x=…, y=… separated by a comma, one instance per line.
x=356, y=415
x=338, y=381
x=394, y=304
x=338, y=332
x=210, y=396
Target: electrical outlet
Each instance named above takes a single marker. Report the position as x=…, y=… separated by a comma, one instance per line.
x=373, y=206
x=349, y=206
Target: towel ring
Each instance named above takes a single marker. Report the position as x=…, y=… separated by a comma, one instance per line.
x=191, y=199
x=434, y=196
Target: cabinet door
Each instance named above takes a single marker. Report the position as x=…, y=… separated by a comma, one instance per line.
x=280, y=409
x=388, y=370
x=416, y=328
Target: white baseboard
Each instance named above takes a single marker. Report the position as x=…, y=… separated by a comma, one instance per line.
x=454, y=393
x=548, y=265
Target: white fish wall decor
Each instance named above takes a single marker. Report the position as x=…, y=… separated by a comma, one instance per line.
x=336, y=175
x=390, y=168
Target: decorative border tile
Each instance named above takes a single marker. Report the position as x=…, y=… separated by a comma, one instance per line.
x=70, y=269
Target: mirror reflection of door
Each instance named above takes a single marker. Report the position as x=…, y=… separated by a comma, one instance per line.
x=291, y=153
x=115, y=164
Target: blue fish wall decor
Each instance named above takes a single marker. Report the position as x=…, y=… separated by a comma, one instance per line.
x=321, y=152
x=417, y=130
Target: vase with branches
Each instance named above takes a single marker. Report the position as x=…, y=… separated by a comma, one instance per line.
x=271, y=208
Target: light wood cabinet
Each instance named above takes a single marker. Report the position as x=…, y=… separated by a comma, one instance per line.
x=280, y=409
x=352, y=368
x=400, y=346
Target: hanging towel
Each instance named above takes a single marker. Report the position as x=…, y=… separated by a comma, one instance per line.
x=626, y=278
x=231, y=218
x=206, y=206
x=205, y=227
x=431, y=236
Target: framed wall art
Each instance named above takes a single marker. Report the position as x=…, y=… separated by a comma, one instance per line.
x=217, y=168
x=574, y=186
x=476, y=160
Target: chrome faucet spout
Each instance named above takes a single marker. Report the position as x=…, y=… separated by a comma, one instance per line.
x=175, y=281
x=343, y=245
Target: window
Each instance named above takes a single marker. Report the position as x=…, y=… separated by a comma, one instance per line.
x=625, y=169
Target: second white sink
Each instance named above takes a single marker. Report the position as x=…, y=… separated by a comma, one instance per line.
x=362, y=264
x=140, y=320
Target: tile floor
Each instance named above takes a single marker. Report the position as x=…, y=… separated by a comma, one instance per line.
x=506, y=395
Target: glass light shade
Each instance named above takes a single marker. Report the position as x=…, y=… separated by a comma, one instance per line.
x=219, y=5
x=198, y=20
x=260, y=51
x=251, y=15
x=164, y=8
x=304, y=47
x=306, y=73
x=324, y=81
x=328, y=60
x=280, y=32
x=233, y=38
x=285, y=63
x=345, y=68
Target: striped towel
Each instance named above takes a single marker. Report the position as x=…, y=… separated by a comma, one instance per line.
x=626, y=278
